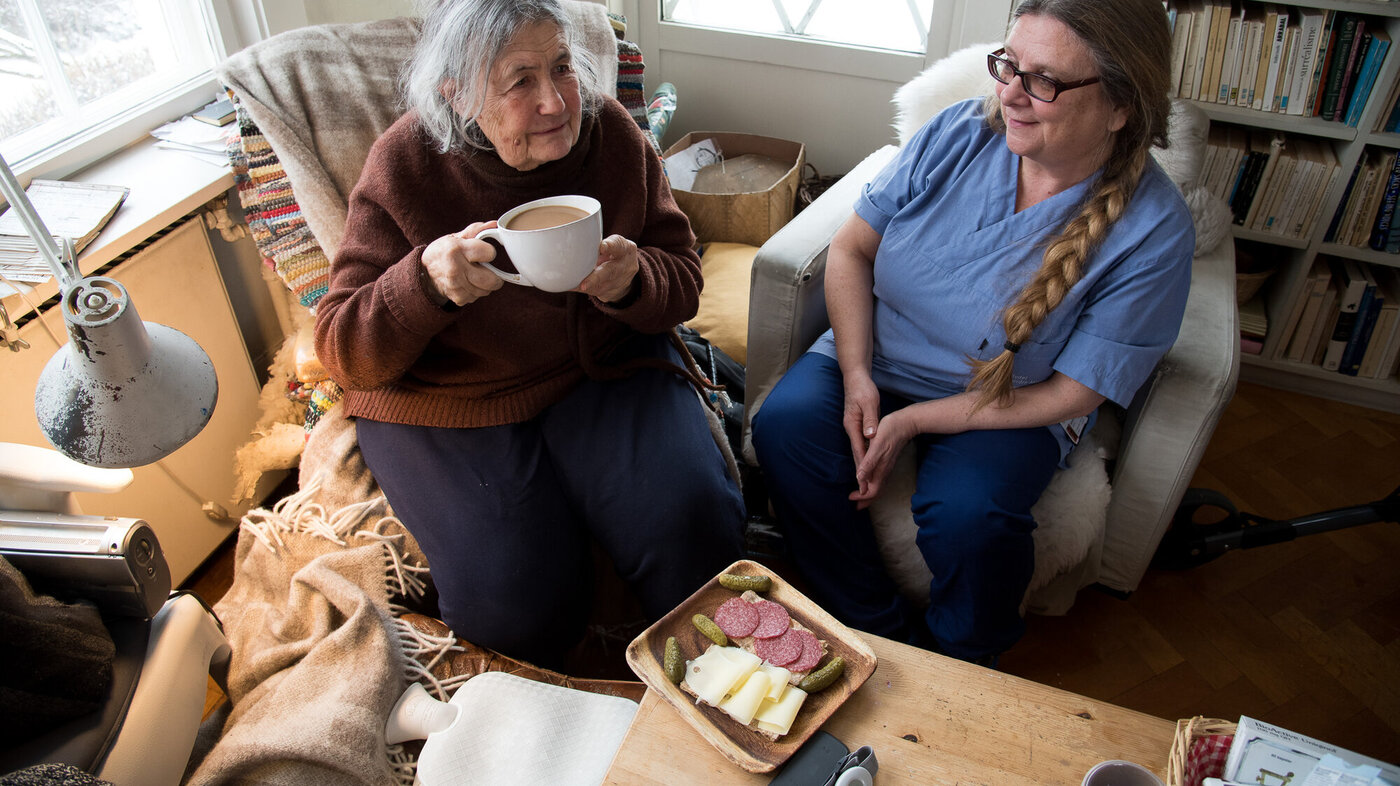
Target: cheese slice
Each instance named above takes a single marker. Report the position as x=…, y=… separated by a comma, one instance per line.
x=777, y=716
x=778, y=680
x=718, y=672
x=742, y=705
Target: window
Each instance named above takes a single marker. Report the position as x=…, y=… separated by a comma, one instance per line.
x=71, y=69
x=898, y=25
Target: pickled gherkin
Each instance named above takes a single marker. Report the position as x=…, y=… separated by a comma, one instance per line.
x=708, y=627
x=743, y=583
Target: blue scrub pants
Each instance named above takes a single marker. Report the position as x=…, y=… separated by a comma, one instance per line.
x=506, y=514
x=972, y=504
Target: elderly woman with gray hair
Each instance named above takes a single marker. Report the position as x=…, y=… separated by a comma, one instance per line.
x=512, y=429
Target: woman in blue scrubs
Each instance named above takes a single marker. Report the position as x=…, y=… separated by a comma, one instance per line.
x=1021, y=261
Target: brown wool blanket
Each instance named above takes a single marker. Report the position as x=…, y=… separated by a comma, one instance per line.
x=318, y=650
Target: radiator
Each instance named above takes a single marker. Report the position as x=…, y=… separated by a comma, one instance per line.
x=186, y=498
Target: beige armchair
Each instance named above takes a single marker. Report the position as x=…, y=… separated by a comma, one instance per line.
x=1102, y=517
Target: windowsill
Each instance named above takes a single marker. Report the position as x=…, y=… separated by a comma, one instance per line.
x=165, y=186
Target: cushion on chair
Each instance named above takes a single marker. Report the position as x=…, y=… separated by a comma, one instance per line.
x=723, y=317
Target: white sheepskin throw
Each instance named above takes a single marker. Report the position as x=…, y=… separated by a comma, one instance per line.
x=1070, y=515
x=962, y=74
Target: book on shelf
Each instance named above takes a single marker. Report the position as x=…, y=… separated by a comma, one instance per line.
x=77, y=211
x=1273, y=200
x=1390, y=120
x=1379, y=361
x=1366, y=313
x=1351, y=286
x=1321, y=63
x=1322, y=328
x=1310, y=27
x=1298, y=324
x=1360, y=41
x=1345, y=29
x=1192, y=66
x=1381, y=231
x=1182, y=16
x=1253, y=35
x=1370, y=68
x=1365, y=199
x=1334, y=225
x=1278, y=17
x=1371, y=207
x=1226, y=146
x=1285, y=75
x=1251, y=168
x=1327, y=165
x=1254, y=321
x=1215, y=49
x=1358, y=210
x=1271, y=147
x=1298, y=194
x=1229, y=59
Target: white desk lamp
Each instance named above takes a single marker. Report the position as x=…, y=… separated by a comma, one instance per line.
x=122, y=392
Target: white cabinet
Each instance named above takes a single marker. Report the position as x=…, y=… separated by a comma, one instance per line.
x=174, y=281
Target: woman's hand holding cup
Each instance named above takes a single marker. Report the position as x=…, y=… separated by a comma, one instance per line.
x=451, y=266
x=612, y=279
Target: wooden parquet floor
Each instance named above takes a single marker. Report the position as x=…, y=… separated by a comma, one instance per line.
x=1303, y=634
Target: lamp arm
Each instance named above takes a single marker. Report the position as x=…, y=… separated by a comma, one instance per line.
x=63, y=267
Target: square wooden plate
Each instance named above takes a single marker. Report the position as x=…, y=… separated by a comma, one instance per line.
x=740, y=744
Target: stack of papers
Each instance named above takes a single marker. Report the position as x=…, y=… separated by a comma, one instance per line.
x=77, y=211
x=198, y=139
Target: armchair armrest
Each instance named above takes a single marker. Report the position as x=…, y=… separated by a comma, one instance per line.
x=1171, y=420
x=787, y=299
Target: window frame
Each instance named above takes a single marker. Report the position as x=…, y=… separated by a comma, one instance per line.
x=951, y=25
x=232, y=25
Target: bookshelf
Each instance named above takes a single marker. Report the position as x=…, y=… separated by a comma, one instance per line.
x=1294, y=256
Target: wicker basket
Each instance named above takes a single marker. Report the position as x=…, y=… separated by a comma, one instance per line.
x=1188, y=731
x=1247, y=285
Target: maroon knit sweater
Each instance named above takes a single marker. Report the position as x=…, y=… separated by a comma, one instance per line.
x=507, y=356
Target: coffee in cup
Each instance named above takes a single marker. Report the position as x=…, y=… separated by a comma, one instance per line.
x=552, y=241
x=545, y=217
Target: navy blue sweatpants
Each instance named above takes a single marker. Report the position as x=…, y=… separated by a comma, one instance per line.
x=506, y=514
x=972, y=504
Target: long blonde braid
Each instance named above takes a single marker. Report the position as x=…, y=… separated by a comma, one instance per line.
x=1061, y=269
x=1129, y=42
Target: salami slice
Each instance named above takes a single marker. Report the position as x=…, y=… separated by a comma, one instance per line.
x=811, y=652
x=737, y=618
x=780, y=650
x=773, y=620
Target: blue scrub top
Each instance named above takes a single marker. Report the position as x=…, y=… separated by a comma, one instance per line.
x=954, y=253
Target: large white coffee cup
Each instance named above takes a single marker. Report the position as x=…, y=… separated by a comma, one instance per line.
x=552, y=241
x=1120, y=773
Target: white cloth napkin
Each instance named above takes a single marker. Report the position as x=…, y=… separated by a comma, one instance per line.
x=509, y=729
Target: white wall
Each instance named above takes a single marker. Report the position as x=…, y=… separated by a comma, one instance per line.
x=322, y=11
x=835, y=100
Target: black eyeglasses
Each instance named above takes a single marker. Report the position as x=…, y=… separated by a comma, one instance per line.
x=1037, y=86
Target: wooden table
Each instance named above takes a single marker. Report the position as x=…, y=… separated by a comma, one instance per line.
x=931, y=720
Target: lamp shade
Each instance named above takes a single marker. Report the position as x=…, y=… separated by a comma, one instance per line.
x=122, y=392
